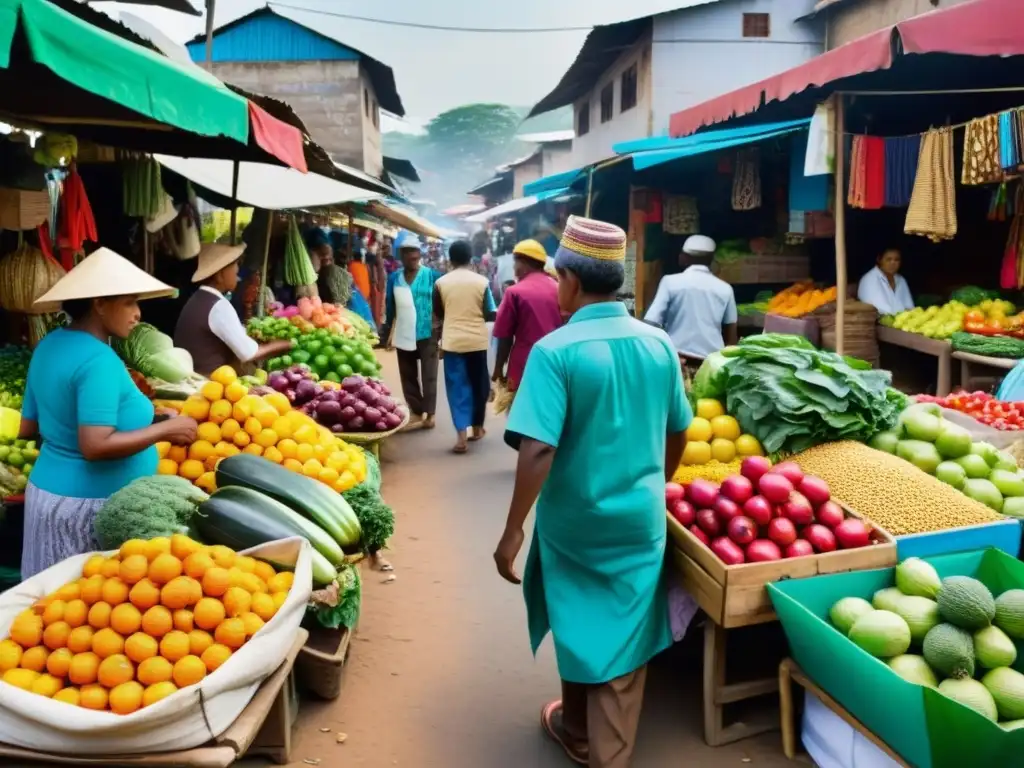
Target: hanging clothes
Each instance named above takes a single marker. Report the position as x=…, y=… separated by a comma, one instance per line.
x=76, y=220
x=820, y=152
x=982, y=161
x=874, y=172
x=680, y=216
x=901, y=154
x=746, y=182
x=1009, y=146
x=858, y=169
x=932, y=210
x=806, y=192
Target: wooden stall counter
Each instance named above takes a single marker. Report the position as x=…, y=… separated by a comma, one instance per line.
x=942, y=350
x=969, y=362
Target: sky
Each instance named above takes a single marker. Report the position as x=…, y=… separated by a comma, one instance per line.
x=438, y=70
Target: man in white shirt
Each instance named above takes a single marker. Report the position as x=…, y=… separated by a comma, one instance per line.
x=696, y=309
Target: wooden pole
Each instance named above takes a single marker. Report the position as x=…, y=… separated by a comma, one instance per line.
x=261, y=307
x=234, y=202
x=840, y=204
x=209, y=34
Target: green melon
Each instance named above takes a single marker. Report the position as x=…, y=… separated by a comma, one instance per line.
x=1010, y=613
x=992, y=648
x=1012, y=725
x=950, y=651
x=913, y=669
x=920, y=613
x=845, y=612
x=966, y=602
x=971, y=694
x=887, y=599
x=1007, y=688
x=883, y=634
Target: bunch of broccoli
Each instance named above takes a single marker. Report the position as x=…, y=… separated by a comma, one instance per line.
x=160, y=505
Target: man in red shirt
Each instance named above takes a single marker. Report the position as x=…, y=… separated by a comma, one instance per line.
x=528, y=312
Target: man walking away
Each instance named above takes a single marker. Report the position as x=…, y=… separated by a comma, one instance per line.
x=696, y=308
x=596, y=446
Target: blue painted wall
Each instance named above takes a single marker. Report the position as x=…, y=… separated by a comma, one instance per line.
x=271, y=38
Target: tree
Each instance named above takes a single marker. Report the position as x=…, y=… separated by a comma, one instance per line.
x=474, y=127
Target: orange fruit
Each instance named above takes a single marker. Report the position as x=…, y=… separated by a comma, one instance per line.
x=157, y=621
x=134, y=569
x=10, y=655
x=216, y=581
x=264, y=570
x=93, y=566
x=99, y=616
x=92, y=589
x=156, y=692
x=235, y=391
x=27, y=630
x=220, y=412
x=188, y=671
x=252, y=622
x=162, y=449
x=174, y=646
x=279, y=599
x=56, y=635
x=21, y=678
x=68, y=696
x=69, y=592
x=93, y=697
x=212, y=390
x=80, y=639
x=155, y=670
x=59, y=662
x=252, y=583
x=208, y=613
x=241, y=438
x=207, y=481
x=229, y=428
x=76, y=613
x=231, y=632
x=183, y=620
x=35, y=658
x=191, y=469
x=132, y=547
x=236, y=601
x=83, y=669
x=125, y=619
x=182, y=546
x=144, y=595
x=214, y=656
x=107, y=643
x=53, y=612
x=199, y=641
x=166, y=467
x=201, y=450
x=281, y=582
x=245, y=564
x=197, y=407
x=164, y=568
x=115, y=670
x=111, y=568
x=177, y=454
x=223, y=556
x=253, y=449
x=126, y=698
x=197, y=564
x=47, y=685
x=114, y=591
x=181, y=592
x=140, y=647
x=161, y=545
x=225, y=375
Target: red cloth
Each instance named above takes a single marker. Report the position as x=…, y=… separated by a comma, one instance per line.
x=654, y=213
x=279, y=139
x=874, y=172
x=528, y=312
x=76, y=220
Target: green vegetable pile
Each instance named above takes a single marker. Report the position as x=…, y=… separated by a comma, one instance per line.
x=154, y=355
x=340, y=603
x=160, y=505
x=972, y=295
x=298, y=269
x=376, y=518
x=331, y=356
x=989, y=346
x=19, y=455
x=791, y=396
x=13, y=371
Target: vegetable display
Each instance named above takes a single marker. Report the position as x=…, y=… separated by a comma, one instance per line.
x=154, y=355
x=13, y=371
x=791, y=396
x=359, y=405
x=148, y=508
x=713, y=435
x=376, y=518
x=801, y=299
x=19, y=456
x=331, y=356
x=987, y=316
x=988, y=346
x=983, y=408
x=298, y=269
x=311, y=313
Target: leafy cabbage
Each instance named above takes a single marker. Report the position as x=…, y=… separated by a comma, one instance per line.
x=709, y=381
x=154, y=355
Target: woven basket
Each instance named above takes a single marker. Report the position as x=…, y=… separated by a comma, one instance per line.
x=367, y=438
x=25, y=275
x=859, y=330
x=22, y=209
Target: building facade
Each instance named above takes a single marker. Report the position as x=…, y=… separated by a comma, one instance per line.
x=846, y=20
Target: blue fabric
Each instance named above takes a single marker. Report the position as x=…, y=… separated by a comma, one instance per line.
x=1011, y=390
x=75, y=380
x=742, y=135
x=558, y=181
x=315, y=237
x=901, y=155
x=1009, y=152
x=806, y=193
x=422, y=295
x=358, y=304
x=459, y=390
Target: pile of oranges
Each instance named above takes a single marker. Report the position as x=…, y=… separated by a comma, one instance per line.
x=158, y=616
x=232, y=421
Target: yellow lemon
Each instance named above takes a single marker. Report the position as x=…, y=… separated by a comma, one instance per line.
x=283, y=427
x=708, y=408
x=306, y=434
x=207, y=481
x=725, y=427
x=235, y=391
x=723, y=450
x=191, y=469
x=212, y=391
x=252, y=448
x=288, y=447
x=338, y=460
x=267, y=438
x=162, y=449
x=201, y=450
x=224, y=375
x=747, y=445
x=220, y=412
x=278, y=401
x=241, y=438
x=304, y=452
x=271, y=453
x=266, y=415
x=253, y=426
x=228, y=429
x=699, y=431
x=167, y=467
x=196, y=407
x=696, y=452
x=312, y=468
x=294, y=465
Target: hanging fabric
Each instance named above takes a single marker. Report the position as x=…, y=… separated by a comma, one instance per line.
x=806, y=193
x=76, y=220
x=681, y=216
x=900, y=169
x=1009, y=150
x=932, y=210
x=982, y=164
x=874, y=172
x=858, y=169
x=746, y=182
x=820, y=152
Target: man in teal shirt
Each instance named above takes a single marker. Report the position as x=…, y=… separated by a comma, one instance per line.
x=600, y=418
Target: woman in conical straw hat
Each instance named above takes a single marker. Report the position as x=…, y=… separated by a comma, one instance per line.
x=98, y=430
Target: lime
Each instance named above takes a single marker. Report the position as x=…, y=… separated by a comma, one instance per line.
x=5, y=451
x=313, y=346
x=321, y=362
x=345, y=370
x=338, y=360
x=286, y=361
x=328, y=350
x=301, y=356
x=332, y=376
x=367, y=368
x=348, y=350
x=15, y=458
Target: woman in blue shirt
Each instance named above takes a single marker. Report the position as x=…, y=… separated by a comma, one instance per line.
x=98, y=430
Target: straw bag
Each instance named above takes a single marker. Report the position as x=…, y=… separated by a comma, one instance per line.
x=25, y=275
x=860, y=338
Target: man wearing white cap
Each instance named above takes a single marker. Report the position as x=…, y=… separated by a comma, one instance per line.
x=208, y=326
x=696, y=309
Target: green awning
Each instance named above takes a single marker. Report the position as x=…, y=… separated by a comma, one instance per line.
x=94, y=60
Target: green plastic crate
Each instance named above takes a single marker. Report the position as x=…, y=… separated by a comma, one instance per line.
x=927, y=729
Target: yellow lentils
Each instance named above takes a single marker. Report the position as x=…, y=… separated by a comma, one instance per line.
x=891, y=492
x=715, y=471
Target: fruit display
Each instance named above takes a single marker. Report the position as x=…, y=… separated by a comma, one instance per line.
x=331, y=356
x=947, y=451
x=18, y=455
x=989, y=316
x=713, y=435
x=765, y=513
x=232, y=421
x=715, y=471
x=949, y=634
x=983, y=408
x=867, y=480
x=13, y=371
x=358, y=405
x=320, y=314
x=153, y=618
x=801, y=299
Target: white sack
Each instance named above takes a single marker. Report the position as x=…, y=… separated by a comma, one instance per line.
x=189, y=718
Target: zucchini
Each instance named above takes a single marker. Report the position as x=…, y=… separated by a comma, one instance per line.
x=310, y=498
x=241, y=518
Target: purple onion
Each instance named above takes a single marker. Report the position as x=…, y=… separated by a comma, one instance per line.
x=278, y=381
x=356, y=424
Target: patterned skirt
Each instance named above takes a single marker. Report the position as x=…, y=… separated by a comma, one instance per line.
x=56, y=527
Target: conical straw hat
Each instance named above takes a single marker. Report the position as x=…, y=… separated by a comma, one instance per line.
x=105, y=273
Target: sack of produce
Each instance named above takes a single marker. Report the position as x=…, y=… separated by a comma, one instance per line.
x=188, y=717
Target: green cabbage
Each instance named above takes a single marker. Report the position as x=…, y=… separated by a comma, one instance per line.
x=154, y=355
x=709, y=380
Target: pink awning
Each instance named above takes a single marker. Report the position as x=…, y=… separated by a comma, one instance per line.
x=278, y=138
x=975, y=28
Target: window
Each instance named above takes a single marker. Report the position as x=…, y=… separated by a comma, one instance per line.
x=366, y=101
x=757, y=25
x=375, y=114
x=607, y=102
x=583, y=119
x=628, y=91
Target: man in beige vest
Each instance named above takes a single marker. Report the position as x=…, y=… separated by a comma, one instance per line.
x=464, y=305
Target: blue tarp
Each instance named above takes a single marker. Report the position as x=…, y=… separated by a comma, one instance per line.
x=735, y=136
x=556, y=181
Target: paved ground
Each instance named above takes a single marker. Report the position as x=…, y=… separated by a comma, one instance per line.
x=440, y=674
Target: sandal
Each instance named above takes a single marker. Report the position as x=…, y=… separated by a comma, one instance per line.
x=460, y=448
x=547, y=716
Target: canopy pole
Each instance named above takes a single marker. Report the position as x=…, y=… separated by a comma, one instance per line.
x=840, y=237
x=590, y=189
x=351, y=233
x=234, y=202
x=209, y=34
x=261, y=306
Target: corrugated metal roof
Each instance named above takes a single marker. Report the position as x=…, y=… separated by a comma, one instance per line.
x=547, y=137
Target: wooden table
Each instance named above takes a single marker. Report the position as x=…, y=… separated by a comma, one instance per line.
x=937, y=348
x=969, y=359
x=790, y=673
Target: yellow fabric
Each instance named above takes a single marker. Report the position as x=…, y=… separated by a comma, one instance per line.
x=462, y=292
x=531, y=249
x=932, y=211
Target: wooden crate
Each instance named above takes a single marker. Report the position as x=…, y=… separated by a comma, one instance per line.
x=319, y=671
x=735, y=595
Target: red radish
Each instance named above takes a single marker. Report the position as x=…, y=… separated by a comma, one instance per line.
x=815, y=489
x=726, y=509
x=758, y=509
x=782, y=531
x=728, y=552
x=696, y=531
x=763, y=550
x=673, y=492
x=702, y=493
x=799, y=548
x=798, y=509
x=708, y=522
x=776, y=488
x=683, y=511
x=821, y=538
x=737, y=488
x=830, y=514
x=852, y=533
x=789, y=470
x=742, y=530
x=753, y=467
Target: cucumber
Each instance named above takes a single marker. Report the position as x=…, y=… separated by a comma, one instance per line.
x=310, y=498
x=241, y=518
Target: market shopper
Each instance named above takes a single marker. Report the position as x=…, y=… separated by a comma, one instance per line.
x=209, y=327
x=597, y=455
x=464, y=305
x=883, y=287
x=696, y=308
x=98, y=430
x=409, y=328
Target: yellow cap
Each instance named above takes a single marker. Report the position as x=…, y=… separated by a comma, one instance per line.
x=531, y=249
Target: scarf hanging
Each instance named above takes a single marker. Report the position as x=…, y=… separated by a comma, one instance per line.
x=746, y=182
x=76, y=220
x=900, y=169
x=932, y=210
x=982, y=163
x=858, y=169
